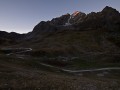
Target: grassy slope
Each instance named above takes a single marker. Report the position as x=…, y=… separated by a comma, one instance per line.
x=93, y=48
x=75, y=41
x=20, y=74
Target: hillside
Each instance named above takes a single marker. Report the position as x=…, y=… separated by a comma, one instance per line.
x=91, y=33
x=90, y=36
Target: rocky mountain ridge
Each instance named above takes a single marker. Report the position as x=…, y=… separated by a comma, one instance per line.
x=108, y=19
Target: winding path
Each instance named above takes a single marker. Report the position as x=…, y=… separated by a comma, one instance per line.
x=91, y=70
x=66, y=70
x=80, y=71
x=23, y=50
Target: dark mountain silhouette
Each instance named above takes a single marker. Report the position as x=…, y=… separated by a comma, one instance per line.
x=11, y=35
x=10, y=38
x=108, y=18
x=66, y=31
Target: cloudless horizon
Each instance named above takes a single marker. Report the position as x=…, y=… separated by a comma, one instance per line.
x=22, y=15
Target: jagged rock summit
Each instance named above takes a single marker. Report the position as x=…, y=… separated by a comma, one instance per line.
x=108, y=18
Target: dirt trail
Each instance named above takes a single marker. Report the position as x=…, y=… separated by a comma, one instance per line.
x=80, y=71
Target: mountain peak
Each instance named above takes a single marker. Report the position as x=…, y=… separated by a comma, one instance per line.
x=109, y=9
x=107, y=18
x=75, y=13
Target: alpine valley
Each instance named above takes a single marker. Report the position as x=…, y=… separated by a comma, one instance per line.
x=72, y=52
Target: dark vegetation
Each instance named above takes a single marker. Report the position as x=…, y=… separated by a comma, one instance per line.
x=29, y=74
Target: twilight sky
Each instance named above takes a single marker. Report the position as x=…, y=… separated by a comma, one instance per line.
x=22, y=15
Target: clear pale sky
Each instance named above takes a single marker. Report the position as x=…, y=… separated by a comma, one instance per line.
x=22, y=15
